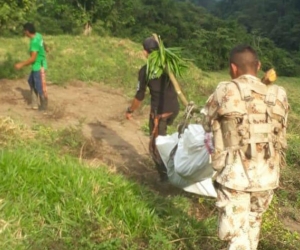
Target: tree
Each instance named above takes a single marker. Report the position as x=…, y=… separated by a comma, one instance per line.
x=14, y=13
x=275, y=19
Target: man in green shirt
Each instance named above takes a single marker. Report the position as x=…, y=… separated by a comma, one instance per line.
x=37, y=60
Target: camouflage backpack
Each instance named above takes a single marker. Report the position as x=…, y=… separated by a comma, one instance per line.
x=257, y=116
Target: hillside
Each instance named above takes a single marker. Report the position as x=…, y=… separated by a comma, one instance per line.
x=80, y=177
x=271, y=26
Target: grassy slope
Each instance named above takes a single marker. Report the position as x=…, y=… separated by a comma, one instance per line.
x=59, y=204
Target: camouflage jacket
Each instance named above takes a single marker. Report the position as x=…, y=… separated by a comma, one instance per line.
x=241, y=172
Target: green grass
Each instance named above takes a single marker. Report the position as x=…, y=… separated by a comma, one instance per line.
x=48, y=200
x=89, y=59
x=53, y=202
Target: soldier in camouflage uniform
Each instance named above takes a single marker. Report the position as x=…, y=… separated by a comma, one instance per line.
x=248, y=120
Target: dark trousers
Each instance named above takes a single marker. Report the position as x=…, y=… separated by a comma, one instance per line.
x=35, y=82
x=163, y=124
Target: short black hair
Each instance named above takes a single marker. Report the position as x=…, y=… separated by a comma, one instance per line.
x=245, y=58
x=29, y=27
x=150, y=44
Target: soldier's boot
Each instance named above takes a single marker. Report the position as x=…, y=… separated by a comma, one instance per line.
x=34, y=99
x=44, y=103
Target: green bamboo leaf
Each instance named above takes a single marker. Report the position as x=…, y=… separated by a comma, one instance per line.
x=159, y=73
x=165, y=59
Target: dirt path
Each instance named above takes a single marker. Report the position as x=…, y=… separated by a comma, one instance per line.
x=101, y=112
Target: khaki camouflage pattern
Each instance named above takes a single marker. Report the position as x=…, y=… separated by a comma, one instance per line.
x=240, y=216
x=248, y=152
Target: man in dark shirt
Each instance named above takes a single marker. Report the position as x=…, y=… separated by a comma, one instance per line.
x=164, y=102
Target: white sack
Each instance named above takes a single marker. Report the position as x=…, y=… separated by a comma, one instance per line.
x=204, y=187
x=192, y=158
x=165, y=144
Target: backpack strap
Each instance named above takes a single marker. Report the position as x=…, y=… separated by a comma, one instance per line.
x=258, y=132
x=271, y=96
x=247, y=88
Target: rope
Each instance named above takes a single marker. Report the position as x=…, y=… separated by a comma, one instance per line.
x=189, y=113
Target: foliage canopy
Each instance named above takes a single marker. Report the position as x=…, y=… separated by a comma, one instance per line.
x=207, y=30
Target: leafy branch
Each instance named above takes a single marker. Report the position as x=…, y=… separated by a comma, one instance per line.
x=169, y=61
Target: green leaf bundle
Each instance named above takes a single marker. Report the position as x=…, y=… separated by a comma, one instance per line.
x=165, y=60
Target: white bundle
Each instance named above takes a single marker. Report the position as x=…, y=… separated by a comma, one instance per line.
x=190, y=167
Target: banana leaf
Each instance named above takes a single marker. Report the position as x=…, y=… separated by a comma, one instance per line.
x=169, y=61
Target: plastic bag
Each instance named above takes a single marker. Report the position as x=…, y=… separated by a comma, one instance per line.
x=192, y=158
x=166, y=144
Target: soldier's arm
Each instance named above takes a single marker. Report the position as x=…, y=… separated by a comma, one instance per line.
x=287, y=109
x=210, y=111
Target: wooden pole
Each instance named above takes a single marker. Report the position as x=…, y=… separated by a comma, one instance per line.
x=177, y=89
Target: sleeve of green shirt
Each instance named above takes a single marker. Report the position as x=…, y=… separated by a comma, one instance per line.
x=34, y=46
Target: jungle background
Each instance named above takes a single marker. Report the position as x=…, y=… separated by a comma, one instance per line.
x=207, y=29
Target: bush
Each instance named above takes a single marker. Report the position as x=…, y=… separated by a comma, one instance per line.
x=285, y=65
x=49, y=26
x=7, y=69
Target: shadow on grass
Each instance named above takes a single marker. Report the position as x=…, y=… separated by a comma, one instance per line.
x=133, y=165
x=189, y=231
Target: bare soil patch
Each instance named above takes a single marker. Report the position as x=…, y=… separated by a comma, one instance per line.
x=111, y=139
x=100, y=111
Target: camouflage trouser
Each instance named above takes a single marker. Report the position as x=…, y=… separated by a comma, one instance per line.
x=240, y=216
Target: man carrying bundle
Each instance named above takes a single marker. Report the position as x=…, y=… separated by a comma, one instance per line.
x=164, y=104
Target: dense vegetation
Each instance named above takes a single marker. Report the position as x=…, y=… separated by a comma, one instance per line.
x=278, y=20
x=206, y=37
